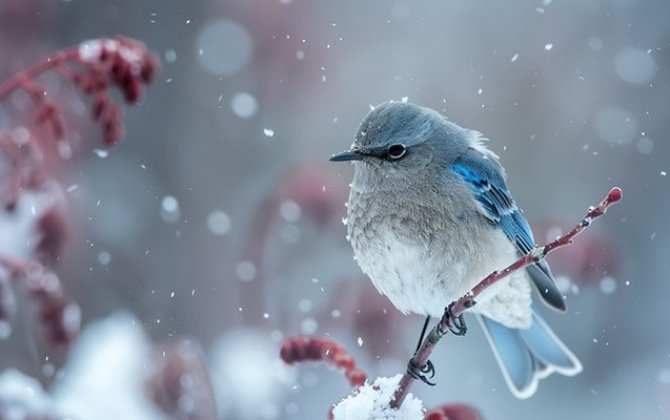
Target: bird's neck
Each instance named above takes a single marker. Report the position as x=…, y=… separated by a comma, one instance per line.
x=369, y=182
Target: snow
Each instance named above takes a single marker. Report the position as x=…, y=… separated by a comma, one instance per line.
x=309, y=326
x=170, y=56
x=595, y=43
x=90, y=50
x=244, y=105
x=71, y=318
x=290, y=211
x=371, y=402
x=305, y=305
x=607, y=285
x=249, y=379
x=664, y=376
x=5, y=327
x=170, y=211
x=645, y=146
x=101, y=153
x=268, y=132
x=245, y=270
x=635, y=66
x=110, y=359
x=104, y=258
x=19, y=230
x=616, y=125
x=224, y=47
x=22, y=397
x=218, y=222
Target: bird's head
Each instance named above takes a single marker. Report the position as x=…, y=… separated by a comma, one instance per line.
x=399, y=139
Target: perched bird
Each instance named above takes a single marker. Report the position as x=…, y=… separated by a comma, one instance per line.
x=429, y=215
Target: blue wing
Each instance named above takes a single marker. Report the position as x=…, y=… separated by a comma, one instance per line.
x=486, y=179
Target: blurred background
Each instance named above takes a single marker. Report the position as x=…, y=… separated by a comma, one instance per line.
x=217, y=221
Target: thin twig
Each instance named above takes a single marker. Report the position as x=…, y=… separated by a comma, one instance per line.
x=469, y=299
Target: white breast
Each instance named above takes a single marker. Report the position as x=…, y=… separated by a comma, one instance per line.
x=424, y=278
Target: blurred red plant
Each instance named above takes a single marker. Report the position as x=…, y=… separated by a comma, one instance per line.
x=33, y=214
x=181, y=386
x=93, y=66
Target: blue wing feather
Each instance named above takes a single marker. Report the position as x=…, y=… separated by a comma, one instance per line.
x=486, y=179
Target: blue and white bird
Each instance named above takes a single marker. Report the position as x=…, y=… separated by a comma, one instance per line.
x=429, y=215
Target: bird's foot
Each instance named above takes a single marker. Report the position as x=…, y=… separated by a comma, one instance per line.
x=421, y=372
x=456, y=324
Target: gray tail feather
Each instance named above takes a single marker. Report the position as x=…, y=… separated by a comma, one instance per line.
x=527, y=355
x=546, y=285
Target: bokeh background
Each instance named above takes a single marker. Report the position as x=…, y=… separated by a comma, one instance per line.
x=219, y=218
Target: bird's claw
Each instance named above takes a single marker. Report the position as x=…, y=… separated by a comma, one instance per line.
x=456, y=324
x=422, y=373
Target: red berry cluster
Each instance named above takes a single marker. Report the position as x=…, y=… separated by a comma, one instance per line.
x=305, y=349
x=94, y=66
x=121, y=62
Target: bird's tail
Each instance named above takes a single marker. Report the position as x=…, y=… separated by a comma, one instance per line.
x=527, y=355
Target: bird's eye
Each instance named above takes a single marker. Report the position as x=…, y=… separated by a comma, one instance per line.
x=396, y=151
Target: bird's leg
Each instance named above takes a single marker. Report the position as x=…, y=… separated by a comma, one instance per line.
x=421, y=372
x=423, y=333
x=456, y=324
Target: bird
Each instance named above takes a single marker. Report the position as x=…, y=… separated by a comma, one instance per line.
x=429, y=215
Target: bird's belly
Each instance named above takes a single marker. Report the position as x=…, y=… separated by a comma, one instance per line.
x=417, y=278
x=423, y=273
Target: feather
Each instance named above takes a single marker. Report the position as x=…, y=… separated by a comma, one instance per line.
x=486, y=179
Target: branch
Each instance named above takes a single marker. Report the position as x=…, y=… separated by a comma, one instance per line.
x=305, y=349
x=469, y=299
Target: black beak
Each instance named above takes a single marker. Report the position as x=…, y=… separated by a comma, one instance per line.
x=347, y=155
